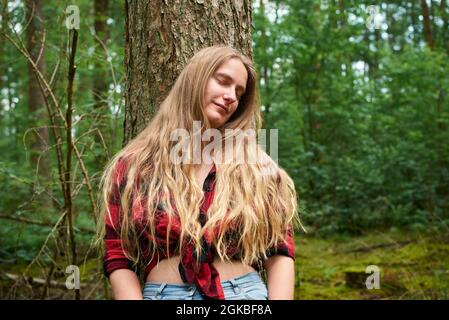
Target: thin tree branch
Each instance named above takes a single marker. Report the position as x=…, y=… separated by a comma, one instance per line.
x=40, y=223
x=71, y=77
x=59, y=111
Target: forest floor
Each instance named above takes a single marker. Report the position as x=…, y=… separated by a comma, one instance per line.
x=411, y=266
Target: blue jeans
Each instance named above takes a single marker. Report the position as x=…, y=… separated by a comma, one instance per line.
x=249, y=286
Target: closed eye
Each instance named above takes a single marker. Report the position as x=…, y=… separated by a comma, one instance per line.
x=226, y=83
x=223, y=81
x=226, y=80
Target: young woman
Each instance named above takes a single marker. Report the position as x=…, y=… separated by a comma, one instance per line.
x=200, y=229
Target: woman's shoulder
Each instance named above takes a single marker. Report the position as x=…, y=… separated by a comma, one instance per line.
x=120, y=167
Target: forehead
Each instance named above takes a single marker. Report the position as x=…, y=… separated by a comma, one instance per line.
x=235, y=70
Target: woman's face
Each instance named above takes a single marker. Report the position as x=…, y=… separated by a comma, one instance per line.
x=223, y=91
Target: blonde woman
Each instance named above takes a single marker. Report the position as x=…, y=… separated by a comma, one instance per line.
x=200, y=229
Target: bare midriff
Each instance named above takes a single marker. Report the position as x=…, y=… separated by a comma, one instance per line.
x=167, y=270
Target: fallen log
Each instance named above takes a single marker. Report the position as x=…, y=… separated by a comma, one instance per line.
x=378, y=246
x=38, y=281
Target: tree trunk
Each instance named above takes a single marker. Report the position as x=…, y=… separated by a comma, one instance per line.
x=391, y=22
x=36, y=102
x=100, y=85
x=4, y=80
x=413, y=18
x=426, y=21
x=265, y=69
x=341, y=8
x=444, y=14
x=162, y=35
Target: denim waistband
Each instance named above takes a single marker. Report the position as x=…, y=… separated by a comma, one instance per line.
x=248, y=278
x=249, y=286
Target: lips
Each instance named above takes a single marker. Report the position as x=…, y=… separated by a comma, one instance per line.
x=221, y=107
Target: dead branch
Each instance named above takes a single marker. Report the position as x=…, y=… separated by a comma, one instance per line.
x=71, y=76
x=41, y=50
x=54, y=109
x=45, y=87
x=378, y=246
x=40, y=223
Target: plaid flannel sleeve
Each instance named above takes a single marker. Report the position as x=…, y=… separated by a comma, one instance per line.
x=285, y=248
x=114, y=257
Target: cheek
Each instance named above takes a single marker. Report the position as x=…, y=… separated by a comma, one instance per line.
x=206, y=95
x=210, y=89
x=234, y=107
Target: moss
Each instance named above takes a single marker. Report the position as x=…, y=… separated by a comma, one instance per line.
x=412, y=266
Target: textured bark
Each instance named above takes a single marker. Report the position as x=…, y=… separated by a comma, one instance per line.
x=162, y=35
x=36, y=102
x=426, y=21
x=100, y=83
x=4, y=79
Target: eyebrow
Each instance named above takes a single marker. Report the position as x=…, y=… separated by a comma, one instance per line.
x=228, y=77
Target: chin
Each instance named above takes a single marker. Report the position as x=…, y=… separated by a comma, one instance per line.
x=215, y=125
x=215, y=121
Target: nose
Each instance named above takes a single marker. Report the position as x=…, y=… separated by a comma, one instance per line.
x=230, y=96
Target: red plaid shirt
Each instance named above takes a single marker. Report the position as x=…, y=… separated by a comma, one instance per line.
x=203, y=274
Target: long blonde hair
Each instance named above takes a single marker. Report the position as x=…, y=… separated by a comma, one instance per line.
x=259, y=206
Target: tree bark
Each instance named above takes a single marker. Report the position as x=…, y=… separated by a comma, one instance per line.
x=36, y=101
x=162, y=35
x=4, y=79
x=426, y=21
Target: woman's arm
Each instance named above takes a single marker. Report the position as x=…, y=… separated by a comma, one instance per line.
x=281, y=277
x=117, y=267
x=125, y=285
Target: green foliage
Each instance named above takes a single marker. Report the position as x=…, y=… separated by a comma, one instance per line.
x=23, y=188
x=362, y=114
